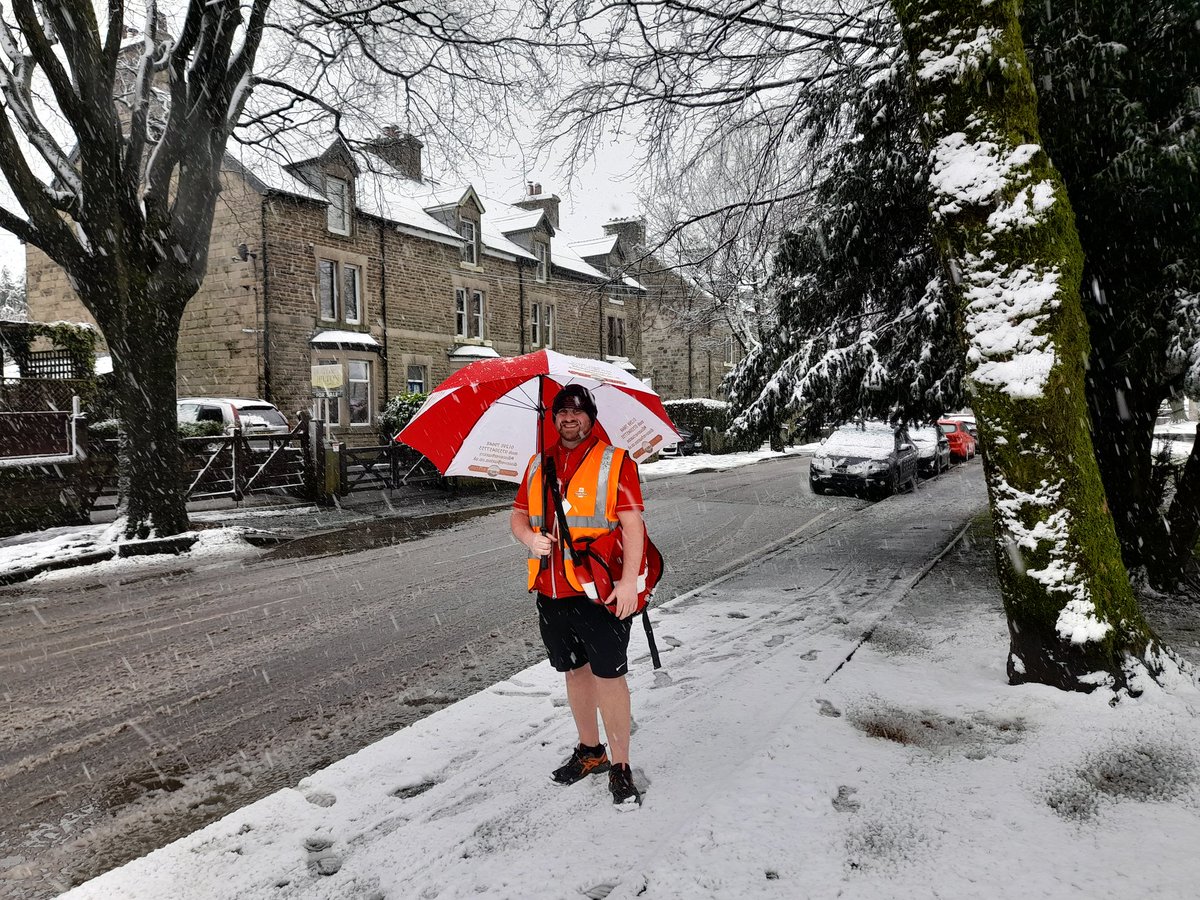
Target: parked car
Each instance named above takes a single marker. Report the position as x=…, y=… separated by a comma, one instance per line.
x=933, y=449
x=867, y=458
x=962, y=442
x=967, y=418
x=689, y=444
x=256, y=418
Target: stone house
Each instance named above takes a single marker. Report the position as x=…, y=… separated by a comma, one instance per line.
x=685, y=350
x=356, y=261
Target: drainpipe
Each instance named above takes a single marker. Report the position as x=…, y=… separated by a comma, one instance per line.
x=521, y=304
x=691, y=394
x=387, y=393
x=266, y=322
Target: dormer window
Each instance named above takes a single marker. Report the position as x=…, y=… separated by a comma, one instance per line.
x=470, y=235
x=542, y=252
x=337, y=213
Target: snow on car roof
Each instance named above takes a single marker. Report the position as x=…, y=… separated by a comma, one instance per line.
x=863, y=440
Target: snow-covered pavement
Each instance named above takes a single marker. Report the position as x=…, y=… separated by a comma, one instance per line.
x=820, y=728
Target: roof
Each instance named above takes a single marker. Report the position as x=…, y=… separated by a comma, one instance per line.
x=515, y=219
x=601, y=246
x=383, y=192
x=473, y=351
x=345, y=339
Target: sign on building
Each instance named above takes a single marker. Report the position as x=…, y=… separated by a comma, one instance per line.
x=328, y=381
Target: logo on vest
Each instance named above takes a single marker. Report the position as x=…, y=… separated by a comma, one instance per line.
x=581, y=492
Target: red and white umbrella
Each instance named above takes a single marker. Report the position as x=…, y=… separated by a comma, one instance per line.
x=484, y=419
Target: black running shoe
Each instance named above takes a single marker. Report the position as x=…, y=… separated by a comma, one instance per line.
x=584, y=761
x=620, y=782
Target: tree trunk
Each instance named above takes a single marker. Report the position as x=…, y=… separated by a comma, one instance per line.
x=1005, y=229
x=144, y=356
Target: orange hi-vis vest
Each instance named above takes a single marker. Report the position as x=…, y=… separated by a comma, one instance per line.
x=597, y=478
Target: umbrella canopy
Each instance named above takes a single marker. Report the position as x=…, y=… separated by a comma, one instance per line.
x=484, y=419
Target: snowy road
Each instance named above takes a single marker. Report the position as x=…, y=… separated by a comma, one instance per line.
x=142, y=708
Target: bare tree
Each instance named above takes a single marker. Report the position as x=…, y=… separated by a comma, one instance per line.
x=115, y=132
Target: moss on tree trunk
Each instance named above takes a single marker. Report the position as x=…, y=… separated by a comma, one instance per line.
x=1007, y=234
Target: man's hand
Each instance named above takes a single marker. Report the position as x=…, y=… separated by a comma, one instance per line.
x=539, y=544
x=625, y=596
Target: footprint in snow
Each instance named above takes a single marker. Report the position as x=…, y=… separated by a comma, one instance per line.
x=844, y=801
x=322, y=858
x=828, y=709
x=323, y=799
x=599, y=891
x=775, y=640
x=810, y=656
x=413, y=790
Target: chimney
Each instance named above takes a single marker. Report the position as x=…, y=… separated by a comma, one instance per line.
x=535, y=200
x=400, y=150
x=632, y=232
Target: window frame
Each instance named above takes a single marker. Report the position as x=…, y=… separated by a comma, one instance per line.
x=470, y=247
x=334, y=298
x=347, y=268
x=422, y=387
x=479, y=313
x=337, y=186
x=616, y=336
x=350, y=382
x=541, y=250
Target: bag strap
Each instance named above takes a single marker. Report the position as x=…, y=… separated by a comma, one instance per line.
x=650, y=637
x=550, y=477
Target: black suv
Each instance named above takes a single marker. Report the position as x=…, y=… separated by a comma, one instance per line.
x=864, y=458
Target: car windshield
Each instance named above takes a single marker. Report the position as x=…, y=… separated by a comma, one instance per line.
x=923, y=435
x=948, y=427
x=261, y=417
x=851, y=440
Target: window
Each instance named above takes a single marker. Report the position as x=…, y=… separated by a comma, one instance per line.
x=339, y=292
x=616, y=336
x=542, y=252
x=358, y=391
x=729, y=350
x=468, y=313
x=328, y=409
x=541, y=325
x=467, y=229
x=327, y=287
x=416, y=380
x=337, y=213
x=350, y=293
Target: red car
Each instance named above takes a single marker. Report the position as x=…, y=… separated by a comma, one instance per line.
x=962, y=442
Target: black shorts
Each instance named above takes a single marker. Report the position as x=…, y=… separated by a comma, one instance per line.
x=577, y=631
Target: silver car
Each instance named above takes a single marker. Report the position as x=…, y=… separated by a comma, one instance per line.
x=256, y=418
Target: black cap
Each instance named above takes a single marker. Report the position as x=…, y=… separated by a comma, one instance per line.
x=575, y=396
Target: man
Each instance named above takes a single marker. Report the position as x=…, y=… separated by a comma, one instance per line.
x=599, y=487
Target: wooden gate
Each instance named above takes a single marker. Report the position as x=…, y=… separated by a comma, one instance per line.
x=385, y=467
